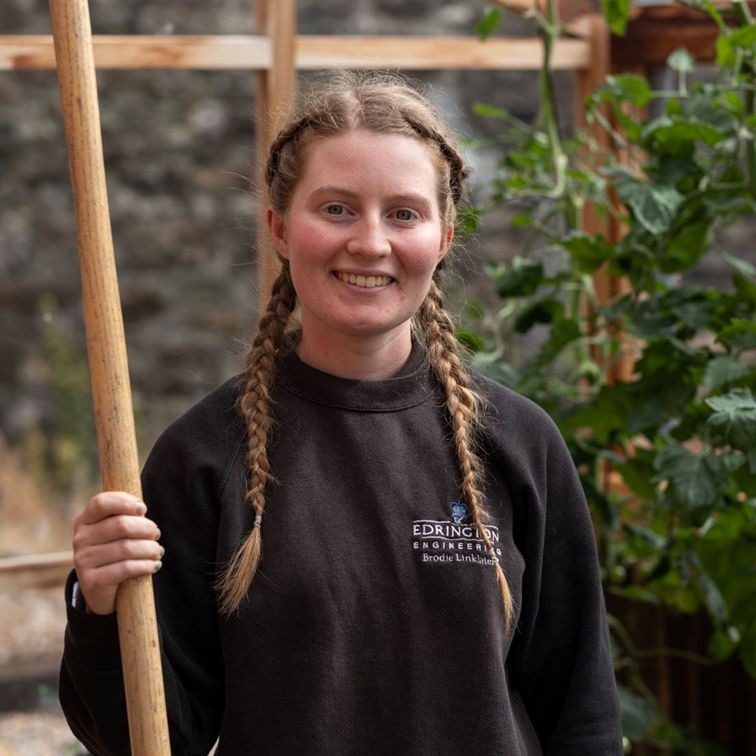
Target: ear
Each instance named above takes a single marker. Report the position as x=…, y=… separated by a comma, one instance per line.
x=277, y=228
x=446, y=242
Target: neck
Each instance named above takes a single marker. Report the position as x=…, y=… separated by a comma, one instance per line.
x=358, y=358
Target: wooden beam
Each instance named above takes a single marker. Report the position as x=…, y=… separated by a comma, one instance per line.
x=280, y=19
x=36, y=571
x=263, y=245
x=437, y=53
x=255, y=52
x=25, y=52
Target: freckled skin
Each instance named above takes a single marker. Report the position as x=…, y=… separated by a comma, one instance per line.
x=367, y=205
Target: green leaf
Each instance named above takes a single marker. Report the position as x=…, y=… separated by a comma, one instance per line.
x=637, y=714
x=672, y=107
x=587, y=252
x=631, y=88
x=562, y=333
x=693, y=482
x=679, y=131
x=713, y=11
x=617, y=13
x=735, y=417
x=653, y=206
x=489, y=23
x=711, y=595
x=743, y=38
x=638, y=474
x=658, y=544
x=722, y=645
x=658, y=401
x=686, y=247
x=725, y=53
x=491, y=111
x=521, y=278
x=740, y=334
x=681, y=60
x=723, y=525
x=605, y=414
x=523, y=220
x=730, y=204
x=748, y=655
x=540, y=312
x=723, y=370
x=621, y=88
x=741, y=265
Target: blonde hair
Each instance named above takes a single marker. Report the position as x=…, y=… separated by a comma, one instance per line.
x=381, y=103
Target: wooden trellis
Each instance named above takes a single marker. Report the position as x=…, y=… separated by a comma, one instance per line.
x=276, y=52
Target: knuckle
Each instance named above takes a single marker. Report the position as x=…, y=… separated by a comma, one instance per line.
x=124, y=526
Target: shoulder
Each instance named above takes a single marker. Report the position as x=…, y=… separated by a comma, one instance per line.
x=504, y=410
x=213, y=425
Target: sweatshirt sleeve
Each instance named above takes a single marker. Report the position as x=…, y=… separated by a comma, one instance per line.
x=560, y=659
x=182, y=483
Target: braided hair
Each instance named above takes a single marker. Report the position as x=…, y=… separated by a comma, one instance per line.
x=380, y=103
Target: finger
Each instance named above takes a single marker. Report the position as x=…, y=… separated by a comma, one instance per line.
x=101, y=585
x=109, y=503
x=115, y=528
x=94, y=557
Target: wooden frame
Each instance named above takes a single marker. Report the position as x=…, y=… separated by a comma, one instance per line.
x=276, y=52
x=258, y=52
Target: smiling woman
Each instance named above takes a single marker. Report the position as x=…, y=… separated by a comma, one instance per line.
x=429, y=583
x=363, y=235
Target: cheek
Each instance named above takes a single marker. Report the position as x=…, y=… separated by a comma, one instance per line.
x=309, y=243
x=423, y=255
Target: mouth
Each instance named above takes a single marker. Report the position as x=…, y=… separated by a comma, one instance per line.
x=365, y=282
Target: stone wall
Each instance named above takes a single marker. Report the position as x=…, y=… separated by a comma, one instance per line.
x=179, y=150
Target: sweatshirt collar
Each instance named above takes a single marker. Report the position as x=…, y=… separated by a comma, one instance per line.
x=406, y=389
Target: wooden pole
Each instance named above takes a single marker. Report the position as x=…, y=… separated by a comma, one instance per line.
x=106, y=347
x=275, y=93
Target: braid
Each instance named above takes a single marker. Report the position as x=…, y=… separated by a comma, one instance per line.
x=381, y=104
x=254, y=405
x=458, y=170
x=462, y=405
x=288, y=134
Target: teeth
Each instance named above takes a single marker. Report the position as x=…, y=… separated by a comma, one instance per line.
x=366, y=282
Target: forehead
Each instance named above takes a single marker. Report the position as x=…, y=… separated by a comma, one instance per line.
x=387, y=161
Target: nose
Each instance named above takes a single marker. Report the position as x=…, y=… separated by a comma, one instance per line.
x=369, y=238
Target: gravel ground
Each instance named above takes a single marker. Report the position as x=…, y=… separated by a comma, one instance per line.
x=39, y=733
x=31, y=642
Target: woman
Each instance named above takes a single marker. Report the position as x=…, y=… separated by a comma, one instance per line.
x=429, y=581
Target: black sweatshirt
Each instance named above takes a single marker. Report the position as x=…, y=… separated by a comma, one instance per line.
x=375, y=623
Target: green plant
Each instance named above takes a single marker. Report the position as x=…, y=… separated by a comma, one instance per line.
x=679, y=529
x=72, y=453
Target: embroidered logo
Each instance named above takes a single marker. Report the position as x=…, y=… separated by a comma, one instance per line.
x=454, y=540
x=458, y=511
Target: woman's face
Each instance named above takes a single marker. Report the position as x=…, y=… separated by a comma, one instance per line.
x=363, y=235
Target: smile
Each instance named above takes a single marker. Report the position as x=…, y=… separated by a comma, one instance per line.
x=366, y=282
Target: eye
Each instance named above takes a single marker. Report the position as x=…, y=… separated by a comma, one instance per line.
x=405, y=215
x=334, y=209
